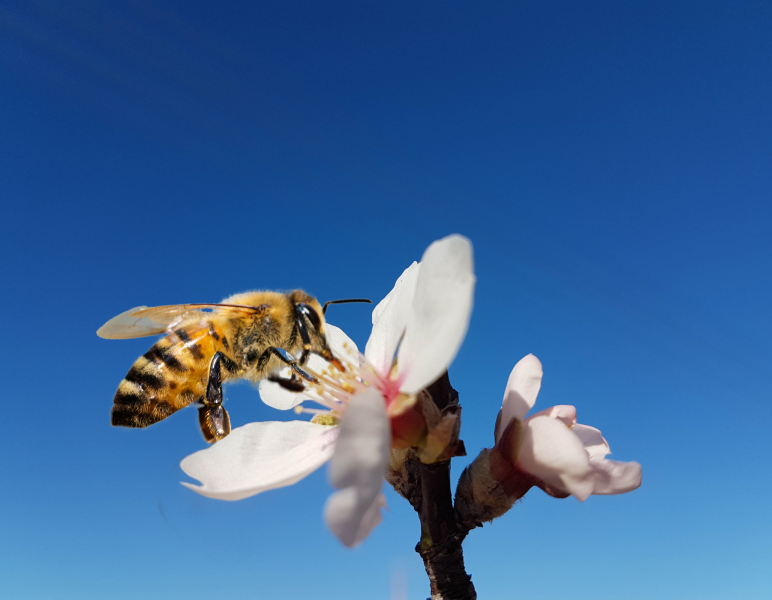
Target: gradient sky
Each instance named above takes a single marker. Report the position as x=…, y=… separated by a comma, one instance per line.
x=611, y=163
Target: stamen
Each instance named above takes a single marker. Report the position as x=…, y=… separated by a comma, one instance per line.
x=310, y=411
x=333, y=389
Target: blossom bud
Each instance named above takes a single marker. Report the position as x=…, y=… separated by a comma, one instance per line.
x=407, y=428
x=488, y=488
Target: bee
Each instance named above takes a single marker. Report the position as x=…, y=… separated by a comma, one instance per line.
x=249, y=336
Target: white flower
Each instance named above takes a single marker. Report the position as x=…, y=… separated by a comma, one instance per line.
x=551, y=446
x=417, y=332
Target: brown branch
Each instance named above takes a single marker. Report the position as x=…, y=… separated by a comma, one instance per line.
x=427, y=488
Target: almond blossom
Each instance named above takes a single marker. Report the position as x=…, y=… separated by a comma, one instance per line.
x=364, y=410
x=564, y=457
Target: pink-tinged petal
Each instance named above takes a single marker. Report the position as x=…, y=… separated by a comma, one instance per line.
x=390, y=319
x=259, y=457
x=352, y=515
x=615, y=477
x=552, y=453
x=341, y=346
x=520, y=394
x=440, y=315
x=564, y=413
x=358, y=467
x=595, y=444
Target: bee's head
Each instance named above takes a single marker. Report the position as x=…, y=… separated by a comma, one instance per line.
x=310, y=314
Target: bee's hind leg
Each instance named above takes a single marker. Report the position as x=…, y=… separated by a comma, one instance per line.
x=212, y=416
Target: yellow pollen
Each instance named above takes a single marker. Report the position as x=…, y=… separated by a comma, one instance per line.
x=325, y=419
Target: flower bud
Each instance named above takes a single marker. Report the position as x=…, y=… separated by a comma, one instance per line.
x=407, y=428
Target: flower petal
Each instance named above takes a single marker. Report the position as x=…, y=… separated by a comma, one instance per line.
x=359, y=466
x=552, y=453
x=259, y=457
x=352, y=515
x=522, y=388
x=390, y=319
x=280, y=398
x=341, y=346
x=615, y=477
x=440, y=314
x=562, y=412
x=595, y=444
x=362, y=449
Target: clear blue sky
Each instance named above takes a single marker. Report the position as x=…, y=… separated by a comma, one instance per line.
x=611, y=162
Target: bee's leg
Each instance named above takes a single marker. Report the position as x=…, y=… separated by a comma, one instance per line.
x=306, y=340
x=327, y=355
x=288, y=360
x=212, y=416
x=293, y=383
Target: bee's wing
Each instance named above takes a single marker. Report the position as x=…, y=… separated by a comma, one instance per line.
x=142, y=320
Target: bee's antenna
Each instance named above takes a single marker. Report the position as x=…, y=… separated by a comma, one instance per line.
x=326, y=304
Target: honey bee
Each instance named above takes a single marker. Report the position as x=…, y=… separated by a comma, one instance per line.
x=249, y=335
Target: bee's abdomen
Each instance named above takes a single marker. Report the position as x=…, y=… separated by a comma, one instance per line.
x=168, y=377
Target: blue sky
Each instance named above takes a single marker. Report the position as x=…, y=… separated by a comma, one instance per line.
x=610, y=163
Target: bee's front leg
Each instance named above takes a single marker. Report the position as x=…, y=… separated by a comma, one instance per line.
x=212, y=416
x=303, y=313
x=300, y=323
x=293, y=383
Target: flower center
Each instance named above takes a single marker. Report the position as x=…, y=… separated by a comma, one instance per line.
x=389, y=388
x=334, y=389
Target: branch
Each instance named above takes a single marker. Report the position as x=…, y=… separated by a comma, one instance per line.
x=427, y=488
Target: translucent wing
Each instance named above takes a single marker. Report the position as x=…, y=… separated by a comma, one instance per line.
x=142, y=321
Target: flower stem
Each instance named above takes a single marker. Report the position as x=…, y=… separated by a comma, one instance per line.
x=440, y=546
x=427, y=488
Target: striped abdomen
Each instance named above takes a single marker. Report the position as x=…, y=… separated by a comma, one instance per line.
x=168, y=377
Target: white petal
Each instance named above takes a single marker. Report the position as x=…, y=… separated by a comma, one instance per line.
x=595, y=444
x=390, y=319
x=440, y=315
x=405, y=284
x=614, y=477
x=277, y=397
x=341, y=346
x=351, y=515
x=562, y=412
x=521, y=391
x=555, y=455
x=362, y=449
x=359, y=466
x=259, y=457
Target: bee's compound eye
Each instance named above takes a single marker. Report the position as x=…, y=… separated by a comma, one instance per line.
x=312, y=315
